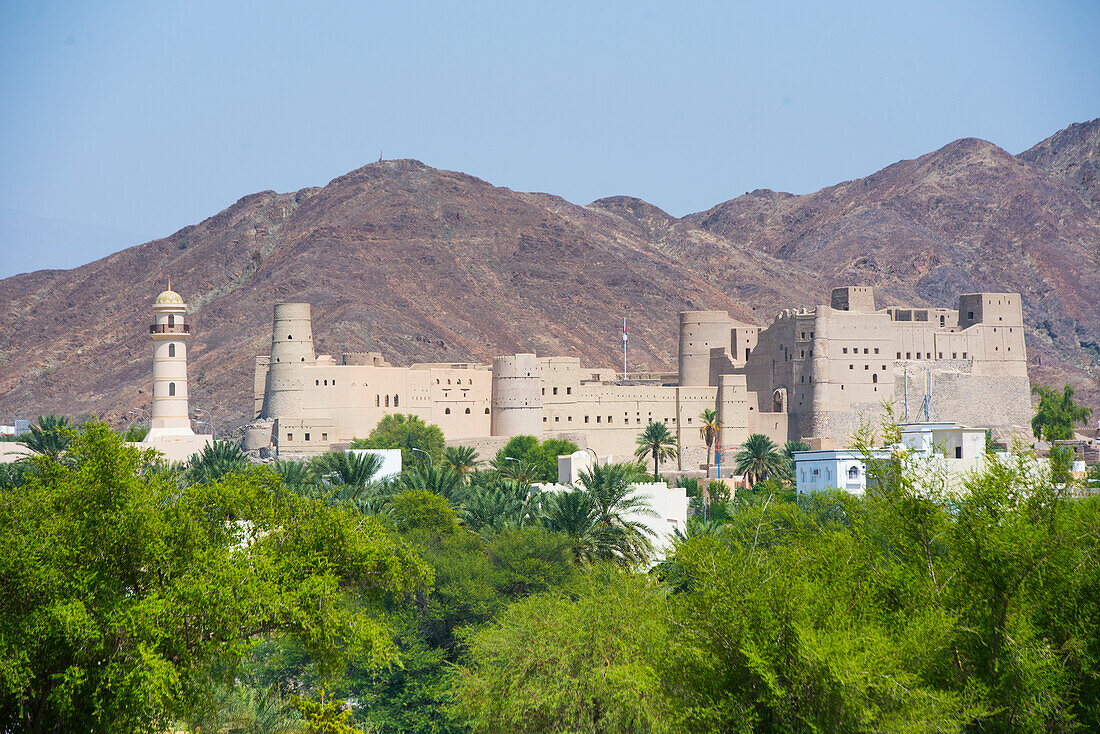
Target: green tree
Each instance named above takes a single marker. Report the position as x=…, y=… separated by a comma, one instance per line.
x=462, y=459
x=710, y=428
x=122, y=589
x=51, y=436
x=406, y=432
x=441, y=480
x=759, y=459
x=576, y=662
x=325, y=717
x=1056, y=413
x=300, y=476
x=658, y=443
x=539, y=460
x=349, y=471
x=615, y=502
x=418, y=509
x=216, y=460
x=499, y=504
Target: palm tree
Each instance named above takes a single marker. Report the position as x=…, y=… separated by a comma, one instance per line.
x=614, y=499
x=788, y=458
x=658, y=442
x=499, y=505
x=709, y=430
x=462, y=459
x=351, y=471
x=573, y=514
x=518, y=470
x=759, y=458
x=300, y=476
x=50, y=436
x=215, y=461
x=441, y=480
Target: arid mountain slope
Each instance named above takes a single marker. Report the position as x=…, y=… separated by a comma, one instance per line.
x=424, y=264
x=419, y=263
x=1073, y=155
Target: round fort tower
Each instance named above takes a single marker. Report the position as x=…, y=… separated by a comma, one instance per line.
x=291, y=348
x=169, y=415
x=700, y=331
x=517, y=396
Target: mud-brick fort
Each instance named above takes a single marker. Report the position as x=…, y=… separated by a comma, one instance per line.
x=813, y=374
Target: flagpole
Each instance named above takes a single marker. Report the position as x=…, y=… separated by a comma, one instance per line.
x=624, y=348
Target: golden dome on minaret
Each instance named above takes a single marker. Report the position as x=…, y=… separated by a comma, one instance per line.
x=169, y=297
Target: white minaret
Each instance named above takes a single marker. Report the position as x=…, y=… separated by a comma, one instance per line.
x=170, y=416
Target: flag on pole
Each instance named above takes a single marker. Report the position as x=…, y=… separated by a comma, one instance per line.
x=624, y=330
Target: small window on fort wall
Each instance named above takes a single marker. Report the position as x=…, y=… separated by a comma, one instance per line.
x=845, y=350
x=307, y=436
x=908, y=355
x=377, y=400
x=447, y=411
x=876, y=350
x=940, y=355
x=928, y=355
x=964, y=355
x=324, y=436
x=555, y=391
x=954, y=355
x=969, y=314
x=396, y=399
x=171, y=388
x=557, y=418
x=316, y=382
x=866, y=366
x=544, y=391
x=899, y=355
x=290, y=437
x=388, y=401
x=467, y=411
x=568, y=391
x=599, y=419
x=608, y=419
x=290, y=337
x=941, y=320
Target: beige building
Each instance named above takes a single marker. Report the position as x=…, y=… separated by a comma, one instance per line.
x=811, y=373
x=170, y=423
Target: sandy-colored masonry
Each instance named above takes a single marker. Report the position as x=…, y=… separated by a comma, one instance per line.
x=812, y=373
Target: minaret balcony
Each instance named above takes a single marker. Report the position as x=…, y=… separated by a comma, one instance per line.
x=166, y=329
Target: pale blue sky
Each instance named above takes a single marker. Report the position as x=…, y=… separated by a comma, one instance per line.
x=130, y=120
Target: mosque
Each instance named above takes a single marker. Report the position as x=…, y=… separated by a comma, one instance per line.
x=170, y=423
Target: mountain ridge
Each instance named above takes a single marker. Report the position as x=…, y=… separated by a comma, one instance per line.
x=425, y=264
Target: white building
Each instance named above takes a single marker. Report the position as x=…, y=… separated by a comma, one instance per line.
x=943, y=452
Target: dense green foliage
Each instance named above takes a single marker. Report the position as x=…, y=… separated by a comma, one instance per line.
x=526, y=459
x=417, y=440
x=309, y=597
x=1056, y=413
x=124, y=587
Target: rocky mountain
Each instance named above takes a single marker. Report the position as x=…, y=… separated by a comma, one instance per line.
x=431, y=265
